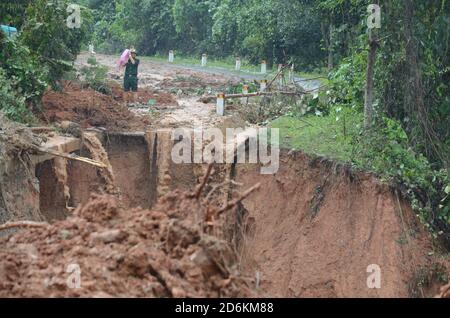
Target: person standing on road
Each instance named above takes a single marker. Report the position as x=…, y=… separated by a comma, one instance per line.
x=130, y=82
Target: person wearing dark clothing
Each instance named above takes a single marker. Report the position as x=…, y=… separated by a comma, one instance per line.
x=130, y=82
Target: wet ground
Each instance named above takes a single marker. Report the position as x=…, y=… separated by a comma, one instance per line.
x=187, y=83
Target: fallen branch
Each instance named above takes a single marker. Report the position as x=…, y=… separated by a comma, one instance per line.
x=309, y=79
x=38, y=130
x=217, y=186
x=200, y=188
x=210, y=99
x=316, y=89
x=235, y=202
x=70, y=157
x=230, y=96
x=276, y=76
x=23, y=224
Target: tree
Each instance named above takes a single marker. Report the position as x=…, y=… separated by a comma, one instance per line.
x=13, y=12
x=48, y=37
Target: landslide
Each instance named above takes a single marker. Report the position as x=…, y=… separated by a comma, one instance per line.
x=163, y=252
x=19, y=190
x=90, y=108
x=316, y=226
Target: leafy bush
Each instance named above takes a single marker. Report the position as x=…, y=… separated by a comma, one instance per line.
x=94, y=76
x=26, y=75
x=12, y=104
x=347, y=82
x=386, y=151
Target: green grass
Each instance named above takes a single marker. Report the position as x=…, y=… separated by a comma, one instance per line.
x=324, y=136
x=229, y=64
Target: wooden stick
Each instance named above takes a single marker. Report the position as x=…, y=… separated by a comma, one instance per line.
x=205, y=180
x=310, y=79
x=71, y=157
x=25, y=224
x=42, y=129
x=233, y=203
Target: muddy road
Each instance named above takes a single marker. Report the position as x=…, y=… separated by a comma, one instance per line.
x=185, y=83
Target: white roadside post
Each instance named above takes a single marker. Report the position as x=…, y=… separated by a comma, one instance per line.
x=91, y=48
x=244, y=100
x=204, y=60
x=238, y=64
x=171, y=56
x=220, y=104
x=263, y=67
x=263, y=85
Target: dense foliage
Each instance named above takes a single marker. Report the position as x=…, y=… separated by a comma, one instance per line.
x=410, y=138
x=43, y=52
x=253, y=29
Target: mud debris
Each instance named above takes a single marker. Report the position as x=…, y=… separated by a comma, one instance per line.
x=18, y=185
x=161, y=252
x=88, y=108
x=98, y=153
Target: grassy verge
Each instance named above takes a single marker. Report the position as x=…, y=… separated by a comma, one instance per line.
x=325, y=136
x=385, y=151
x=229, y=64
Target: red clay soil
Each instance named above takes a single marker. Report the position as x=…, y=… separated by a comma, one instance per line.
x=322, y=226
x=144, y=95
x=88, y=108
x=135, y=253
x=444, y=292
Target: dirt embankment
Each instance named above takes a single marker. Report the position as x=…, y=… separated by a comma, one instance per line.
x=135, y=253
x=316, y=227
x=312, y=230
x=90, y=108
x=159, y=99
x=19, y=190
